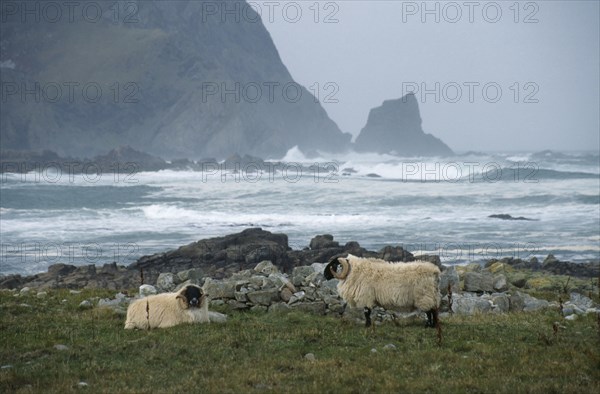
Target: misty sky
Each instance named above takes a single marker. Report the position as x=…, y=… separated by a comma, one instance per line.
x=377, y=50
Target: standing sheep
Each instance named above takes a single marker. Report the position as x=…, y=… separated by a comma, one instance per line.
x=188, y=305
x=368, y=282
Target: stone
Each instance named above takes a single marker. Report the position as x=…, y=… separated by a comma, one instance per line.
x=244, y=275
x=299, y=296
x=319, y=267
x=499, y=267
x=500, y=283
x=389, y=346
x=74, y=292
x=264, y=297
x=147, y=290
x=242, y=295
x=473, y=267
x=258, y=282
x=501, y=303
x=571, y=317
x=533, y=304
x=194, y=274
x=266, y=267
x=449, y=277
x=286, y=294
x=279, y=307
x=86, y=304
x=24, y=290
x=299, y=274
x=61, y=347
x=217, y=302
x=331, y=285
x=478, y=282
x=323, y=242
x=519, y=280
x=277, y=280
x=517, y=302
x=581, y=301
x=470, y=305
x=41, y=294
x=166, y=282
x=216, y=317
x=310, y=357
x=395, y=253
x=568, y=310
x=219, y=289
x=259, y=308
x=315, y=279
x=234, y=304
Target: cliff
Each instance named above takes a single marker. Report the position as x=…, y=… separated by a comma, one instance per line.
x=175, y=79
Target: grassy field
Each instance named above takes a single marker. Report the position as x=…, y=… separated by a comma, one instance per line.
x=259, y=352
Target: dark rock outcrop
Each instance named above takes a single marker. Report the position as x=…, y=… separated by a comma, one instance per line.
x=176, y=79
x=395, y=128
x=254, y=248
x=505, y=216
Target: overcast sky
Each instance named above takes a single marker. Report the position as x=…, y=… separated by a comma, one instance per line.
x=506, y=77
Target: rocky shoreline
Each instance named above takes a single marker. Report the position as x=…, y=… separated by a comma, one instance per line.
x=257, y=270
x=222, y=257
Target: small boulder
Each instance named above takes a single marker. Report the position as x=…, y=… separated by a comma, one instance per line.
x=449, y=277
x=286, y=294
x=323, y=242
x=478, y=282
x=147, y=290
x=279, y=307
x=501, y=303
x=500, y=283
x=266, y=267
x=219, y=289
x=264, y=297
x=299, y=274
x=470, y=305
x=86, y=304
x=166, y=282
x=309, y=357
x=195, y=275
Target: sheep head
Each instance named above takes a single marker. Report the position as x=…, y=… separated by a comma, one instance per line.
x=331, y=270
x=191, y=297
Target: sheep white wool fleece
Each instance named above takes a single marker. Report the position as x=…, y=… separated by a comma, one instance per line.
x=163, y=310
x=373, y=282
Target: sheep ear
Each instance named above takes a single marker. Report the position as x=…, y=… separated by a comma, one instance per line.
x=184, y=301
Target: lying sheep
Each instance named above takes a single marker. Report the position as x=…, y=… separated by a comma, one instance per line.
x=368, y=282
x=188, y=305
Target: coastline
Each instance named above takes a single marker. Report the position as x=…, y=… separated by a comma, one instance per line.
x=222, y=257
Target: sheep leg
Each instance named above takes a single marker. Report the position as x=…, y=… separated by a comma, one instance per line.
x=343, y=309
x=432, y=318
x=367, y=311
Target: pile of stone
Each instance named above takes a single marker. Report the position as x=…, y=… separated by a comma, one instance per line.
x=469, y=290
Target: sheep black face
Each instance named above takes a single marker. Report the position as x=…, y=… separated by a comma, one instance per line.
x=332, y=270
x=333, y=266
x=191, y=296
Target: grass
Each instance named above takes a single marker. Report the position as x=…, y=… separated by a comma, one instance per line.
x=262, y=352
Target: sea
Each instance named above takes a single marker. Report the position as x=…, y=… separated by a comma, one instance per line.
x=426, y=205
